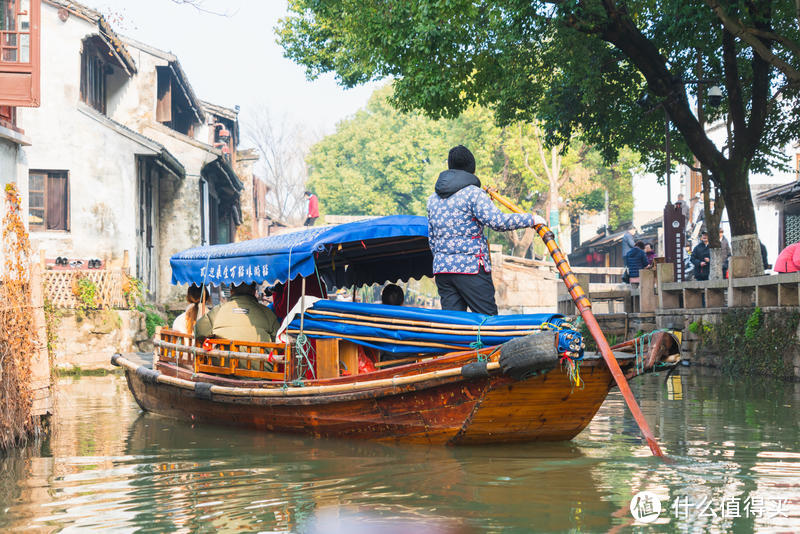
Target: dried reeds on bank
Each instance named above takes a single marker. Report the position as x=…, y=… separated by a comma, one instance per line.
x=17, y=332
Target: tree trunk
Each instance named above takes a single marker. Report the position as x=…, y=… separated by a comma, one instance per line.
x=521, y=241
x=717, y=259
x=742, y=215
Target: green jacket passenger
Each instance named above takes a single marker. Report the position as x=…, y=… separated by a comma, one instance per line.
x=242, y=318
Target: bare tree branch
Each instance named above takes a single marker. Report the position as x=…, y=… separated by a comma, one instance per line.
x=282, y=148
x=198, y=5
x=524, y=151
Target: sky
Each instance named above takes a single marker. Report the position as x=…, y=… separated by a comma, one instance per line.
x=234, y=59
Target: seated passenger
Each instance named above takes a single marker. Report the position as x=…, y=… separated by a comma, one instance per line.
x=393, y=295
x=185, y=322
x=242, y=318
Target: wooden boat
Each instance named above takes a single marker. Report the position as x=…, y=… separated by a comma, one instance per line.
x=523, y=389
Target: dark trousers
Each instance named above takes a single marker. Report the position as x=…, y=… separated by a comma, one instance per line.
x=459, y=291
x=310, y=221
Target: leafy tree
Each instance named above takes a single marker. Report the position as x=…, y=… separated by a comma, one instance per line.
x=614, y=179
x=581, y=65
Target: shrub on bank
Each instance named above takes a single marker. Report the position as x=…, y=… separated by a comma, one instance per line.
x=152, y=318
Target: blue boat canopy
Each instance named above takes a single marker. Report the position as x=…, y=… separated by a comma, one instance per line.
x=363, y=252
x=406, y=329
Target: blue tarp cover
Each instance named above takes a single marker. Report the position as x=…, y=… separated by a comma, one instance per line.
x=343, y=328
x=362, y=252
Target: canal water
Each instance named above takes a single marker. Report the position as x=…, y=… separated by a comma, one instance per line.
x=735, y=446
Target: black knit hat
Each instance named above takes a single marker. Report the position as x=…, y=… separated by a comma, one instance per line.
x=461, y=158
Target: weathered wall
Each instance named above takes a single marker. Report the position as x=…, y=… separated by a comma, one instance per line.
x=522, y=286
x=89, y=342
x=12, y=166
x=618, y=327
x=41, y=375
x=680, y=319
x=179, y=214
x=8, y=162
x=251, y=227
x=101, y=162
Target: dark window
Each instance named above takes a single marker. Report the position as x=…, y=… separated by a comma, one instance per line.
x=173, y=107
x=94, y=70
x=48, y=200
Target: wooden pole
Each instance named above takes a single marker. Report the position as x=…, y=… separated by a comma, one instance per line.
x=585, y=309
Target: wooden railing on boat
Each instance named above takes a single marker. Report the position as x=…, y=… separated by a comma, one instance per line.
x=335, y=357
x=224, y=357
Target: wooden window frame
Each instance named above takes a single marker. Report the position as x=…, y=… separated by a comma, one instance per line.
x=47, y=174
x=94, y=73
x=20, y=80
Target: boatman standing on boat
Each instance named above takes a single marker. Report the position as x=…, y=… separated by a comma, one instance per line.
x=457, y=213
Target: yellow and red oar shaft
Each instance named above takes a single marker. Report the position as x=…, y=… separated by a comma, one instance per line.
x=585, y=309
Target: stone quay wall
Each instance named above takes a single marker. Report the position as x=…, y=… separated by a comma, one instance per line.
x=87, y=340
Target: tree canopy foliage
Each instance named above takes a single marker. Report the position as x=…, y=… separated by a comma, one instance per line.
x=382, y=161
x=580, y=65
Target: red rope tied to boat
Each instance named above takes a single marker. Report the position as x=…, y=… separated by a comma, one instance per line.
x=585, y=309
x=573, y=367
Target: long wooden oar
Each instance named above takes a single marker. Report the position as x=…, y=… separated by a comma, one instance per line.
x=585, y=308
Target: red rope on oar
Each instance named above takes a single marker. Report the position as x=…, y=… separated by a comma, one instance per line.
x=585, y=309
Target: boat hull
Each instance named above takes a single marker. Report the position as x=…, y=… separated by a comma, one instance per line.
x=452, y=410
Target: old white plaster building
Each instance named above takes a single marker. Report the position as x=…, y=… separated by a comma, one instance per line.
x=20, y=47
x=125, y=157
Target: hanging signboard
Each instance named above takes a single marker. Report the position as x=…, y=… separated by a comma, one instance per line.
x=675, y=239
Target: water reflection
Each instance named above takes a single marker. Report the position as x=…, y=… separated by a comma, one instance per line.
x=109, y=467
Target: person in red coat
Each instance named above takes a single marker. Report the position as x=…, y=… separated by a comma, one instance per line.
x=789, y=259
x=313, y=209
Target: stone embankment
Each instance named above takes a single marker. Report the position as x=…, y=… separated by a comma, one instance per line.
x=87, y=340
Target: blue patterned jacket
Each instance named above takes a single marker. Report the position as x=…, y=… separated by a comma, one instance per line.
x=456, y=221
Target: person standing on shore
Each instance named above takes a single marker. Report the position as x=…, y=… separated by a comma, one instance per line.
x=635, y=261
x=457, y=214
x=701, y=258
x=313, y=209
x=628, y=242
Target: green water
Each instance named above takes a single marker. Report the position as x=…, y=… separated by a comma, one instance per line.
x=110, y=467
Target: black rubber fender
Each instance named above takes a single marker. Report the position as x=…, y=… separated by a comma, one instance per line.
x=202, y=390
x=148, y=376
x=115, y=359
x=525, y=356
x=475, y=370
